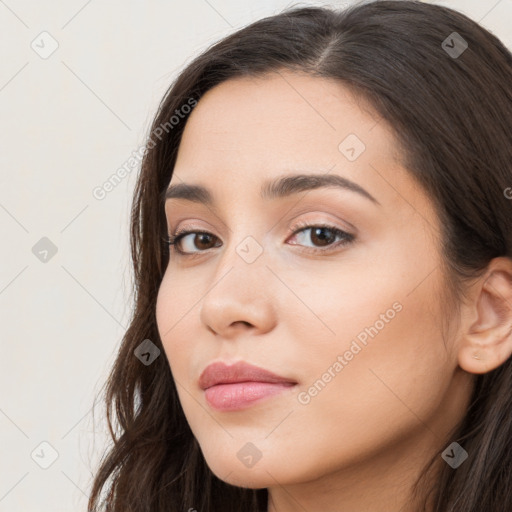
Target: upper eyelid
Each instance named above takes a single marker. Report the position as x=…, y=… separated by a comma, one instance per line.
x=296, y=226
x=309, y=208
x=339, y=223
x=302, y=225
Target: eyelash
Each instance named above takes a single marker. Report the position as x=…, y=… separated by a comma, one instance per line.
x=174, y=239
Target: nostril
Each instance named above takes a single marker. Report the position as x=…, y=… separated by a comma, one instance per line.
x=243, y=322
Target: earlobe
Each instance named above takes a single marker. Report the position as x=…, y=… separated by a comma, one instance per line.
x=486, y=342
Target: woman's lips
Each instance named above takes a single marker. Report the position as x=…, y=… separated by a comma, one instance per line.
x=240, y=395
x=229, y=387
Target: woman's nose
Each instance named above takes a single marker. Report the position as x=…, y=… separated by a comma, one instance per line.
x=241, y=299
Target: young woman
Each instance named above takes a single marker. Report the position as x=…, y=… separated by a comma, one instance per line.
x=322, y=250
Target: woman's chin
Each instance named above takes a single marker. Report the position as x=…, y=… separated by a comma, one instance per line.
x=244, y=472
x=247, y=479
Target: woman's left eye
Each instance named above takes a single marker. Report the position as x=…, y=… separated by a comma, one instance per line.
x=324, y=235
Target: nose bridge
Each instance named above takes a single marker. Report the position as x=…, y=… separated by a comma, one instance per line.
x=244, y=247
x=241, y=286
x=244, y=260
x=248, y=227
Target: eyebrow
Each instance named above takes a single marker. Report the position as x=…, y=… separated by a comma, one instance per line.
x=277, y=188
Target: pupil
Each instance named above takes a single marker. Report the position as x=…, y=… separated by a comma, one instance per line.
x=202, y=237
x=322, y=236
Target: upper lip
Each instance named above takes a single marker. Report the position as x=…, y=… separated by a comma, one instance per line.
x=221, y=373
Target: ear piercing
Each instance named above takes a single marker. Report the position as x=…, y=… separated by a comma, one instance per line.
x=476, y=355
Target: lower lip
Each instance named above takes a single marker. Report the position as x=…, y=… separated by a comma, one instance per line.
x=239, y=395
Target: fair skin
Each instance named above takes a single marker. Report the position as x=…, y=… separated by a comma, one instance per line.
x=360, y=441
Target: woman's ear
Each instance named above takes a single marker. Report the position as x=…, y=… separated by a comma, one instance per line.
x=486, y=339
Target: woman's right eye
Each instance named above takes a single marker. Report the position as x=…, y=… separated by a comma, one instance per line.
x=179, y=240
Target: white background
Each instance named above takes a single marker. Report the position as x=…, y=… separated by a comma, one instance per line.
x=68, y=122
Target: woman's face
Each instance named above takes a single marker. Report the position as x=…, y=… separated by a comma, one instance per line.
x=351, y=321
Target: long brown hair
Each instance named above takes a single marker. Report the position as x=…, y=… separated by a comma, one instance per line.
x=450, y=106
